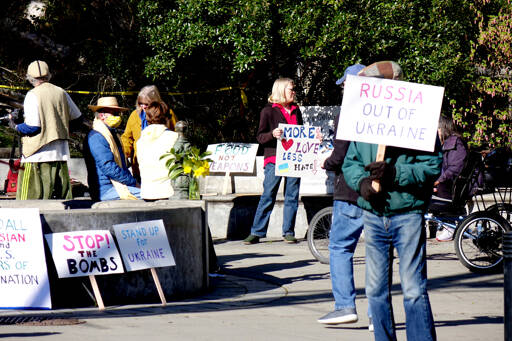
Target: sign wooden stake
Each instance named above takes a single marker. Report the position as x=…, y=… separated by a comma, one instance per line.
x=380, y=157
x=158, y=286
x=227, y=179
x=97, y=293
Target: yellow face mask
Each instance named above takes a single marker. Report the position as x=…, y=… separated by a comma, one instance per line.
x=113, y=121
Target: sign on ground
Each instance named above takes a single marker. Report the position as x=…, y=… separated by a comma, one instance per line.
x=144, y=245
x=84, y=253
x=23, y=275
x=232, y=157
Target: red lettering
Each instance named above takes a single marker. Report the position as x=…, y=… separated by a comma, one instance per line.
x=364, y=88
x=401, y=92
x=89, y=239
x=79, y=238
x=99, y=238
x=419, y=97
x=389, y=92
x=68, y=239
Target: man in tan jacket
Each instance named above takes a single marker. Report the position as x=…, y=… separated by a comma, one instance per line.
x=48, y=110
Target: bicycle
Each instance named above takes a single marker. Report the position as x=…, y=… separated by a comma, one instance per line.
x=318, y=234
x=478, y=236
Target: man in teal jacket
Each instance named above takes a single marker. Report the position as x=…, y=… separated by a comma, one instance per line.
x=393, y=217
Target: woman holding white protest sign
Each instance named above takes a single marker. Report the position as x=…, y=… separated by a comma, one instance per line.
x=280, y=109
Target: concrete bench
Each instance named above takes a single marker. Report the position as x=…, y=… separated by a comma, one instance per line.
x=231, y=216
x=186, y=231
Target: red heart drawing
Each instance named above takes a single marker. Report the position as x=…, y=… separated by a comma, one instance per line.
x=287, y=143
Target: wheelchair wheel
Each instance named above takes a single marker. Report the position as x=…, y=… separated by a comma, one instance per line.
x=478, y=241
x=318, y=234
x=503, y=209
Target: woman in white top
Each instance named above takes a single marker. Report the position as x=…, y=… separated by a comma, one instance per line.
x=155, y=140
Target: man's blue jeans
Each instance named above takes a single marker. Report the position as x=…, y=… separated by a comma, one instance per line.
x=111, y=194
x=407, y=234
x=347, y=225
x=268, y=199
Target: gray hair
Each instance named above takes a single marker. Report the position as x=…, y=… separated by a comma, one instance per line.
x=37, y=81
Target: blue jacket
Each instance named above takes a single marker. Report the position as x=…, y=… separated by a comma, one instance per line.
x=101, y=166
x=411, y=189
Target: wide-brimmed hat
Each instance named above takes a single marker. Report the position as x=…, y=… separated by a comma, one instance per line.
x=38, y=69
x=351, y=70
x=384, y=69
x=107, y=102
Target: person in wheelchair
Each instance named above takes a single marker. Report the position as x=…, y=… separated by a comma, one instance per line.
x=454, y=155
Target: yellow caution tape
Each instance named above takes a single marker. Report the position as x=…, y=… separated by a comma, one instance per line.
x=128, y=93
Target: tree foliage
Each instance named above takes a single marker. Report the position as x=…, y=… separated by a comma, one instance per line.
x=486, y=111
x=196, y=47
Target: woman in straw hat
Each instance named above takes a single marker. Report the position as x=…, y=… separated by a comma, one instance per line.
x=108, y=174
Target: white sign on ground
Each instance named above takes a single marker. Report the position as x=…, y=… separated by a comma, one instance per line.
x=144, y=245
x=84, y=253
x=232, y=157
x=390, y=112
x=299, y=152
x=23, y=275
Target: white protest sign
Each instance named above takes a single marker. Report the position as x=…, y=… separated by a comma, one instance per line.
x=299, y=152
x=390, y=112
x=232, y=157
x=144, y=245
x=84, y=253
x=23, y=275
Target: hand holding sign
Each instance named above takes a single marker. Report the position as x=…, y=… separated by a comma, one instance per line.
x=277, y=133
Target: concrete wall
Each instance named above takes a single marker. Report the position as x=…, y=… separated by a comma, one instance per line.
x=245, y=183
x=231, y=215
x=186, y=231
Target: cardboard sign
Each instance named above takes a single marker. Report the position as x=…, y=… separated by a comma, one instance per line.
x=299, y=151
x=23, y=276
x=84, y=253
x=232, y=157
x=144, y=245
x=390, y=112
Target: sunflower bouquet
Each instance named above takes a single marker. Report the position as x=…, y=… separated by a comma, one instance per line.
x=190, y=162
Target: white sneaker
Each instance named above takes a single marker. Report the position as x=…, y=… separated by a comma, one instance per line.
x=445, y=235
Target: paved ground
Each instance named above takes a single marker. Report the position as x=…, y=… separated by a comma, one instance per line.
x=276, y=291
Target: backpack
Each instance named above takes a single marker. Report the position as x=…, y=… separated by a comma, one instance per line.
x=11, y=183
x=498, y=169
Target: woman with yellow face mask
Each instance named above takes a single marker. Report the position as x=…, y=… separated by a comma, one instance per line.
x=108, y=175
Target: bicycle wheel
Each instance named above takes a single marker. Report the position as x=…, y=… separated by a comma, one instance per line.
x=478, y=241
x=318, y=234
x=503, y=209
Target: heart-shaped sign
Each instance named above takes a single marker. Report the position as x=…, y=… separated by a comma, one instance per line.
x=287, y=143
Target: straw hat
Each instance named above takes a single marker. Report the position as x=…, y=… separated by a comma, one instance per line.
x=38, y=69
x=107, y=102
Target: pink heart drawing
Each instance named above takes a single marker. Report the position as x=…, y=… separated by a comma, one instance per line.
x=287, y=143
